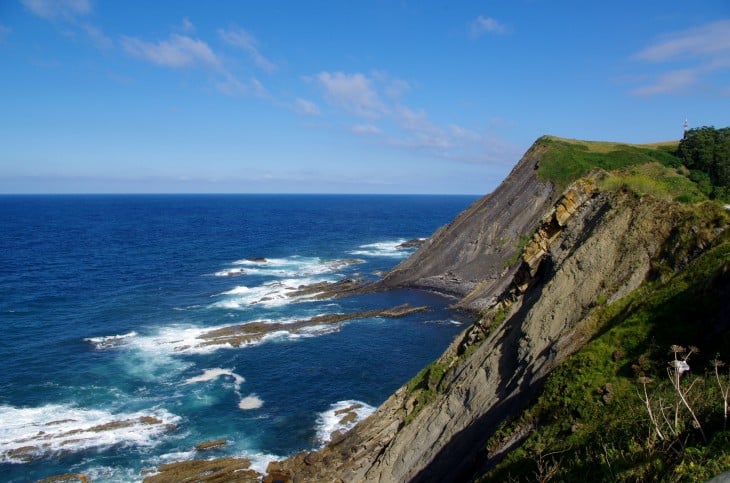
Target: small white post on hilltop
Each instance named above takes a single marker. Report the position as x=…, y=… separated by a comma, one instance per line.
x=685, y=127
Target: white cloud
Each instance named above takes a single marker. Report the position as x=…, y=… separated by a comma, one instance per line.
x=177, y=51
x=702, y=52
x=98, y=38
x=58, y=9
x=365, y=129
x=487, y=25
x=675, y=82
x=187, y=26
x=710, y=40
x=243, y=40
x=232, y=86
x=351, y=92
x=306, y=107
x=370, y=97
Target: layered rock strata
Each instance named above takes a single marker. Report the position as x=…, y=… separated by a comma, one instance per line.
x=587, y=246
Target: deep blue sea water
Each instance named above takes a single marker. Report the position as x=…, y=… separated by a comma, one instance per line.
x=102, y=300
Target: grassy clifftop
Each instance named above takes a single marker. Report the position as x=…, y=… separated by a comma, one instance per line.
x=618, y=410
x=645, y=168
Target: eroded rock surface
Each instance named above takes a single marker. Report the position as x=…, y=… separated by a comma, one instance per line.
x=241, y=334
x=586, y=245
x=470, y=253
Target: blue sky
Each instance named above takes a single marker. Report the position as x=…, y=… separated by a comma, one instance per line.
x=339, y=97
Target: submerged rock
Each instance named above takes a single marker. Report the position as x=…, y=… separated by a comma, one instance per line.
x=241, y=334
x=217, y=470
x=80, y=477
x=208, y=445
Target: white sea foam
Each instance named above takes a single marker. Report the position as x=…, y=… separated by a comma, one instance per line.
x=335, y=418
x=252, y=401
x=31, y=433
x=230, y=272
x=152, y=356
x=270, y=294
x=294, y=266
x=110, y=341
x=389, y=249
x=211, y=374
x=260, y=461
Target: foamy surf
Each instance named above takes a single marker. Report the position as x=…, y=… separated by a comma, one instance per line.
x=154, y=353
x=252, y=401
x=388, y=249
x=341, y=417
x=270, y=294
x=212, y=374
x=27, y=434
x=230, y=272
x=110, y=341
x=294, y=266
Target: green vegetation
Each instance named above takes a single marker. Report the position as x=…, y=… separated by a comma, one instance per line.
x=706, y=152
x=565, y=161
x=594, y=422
x=656, y=180
x=695, y=169
x=521, y=244
x=422, y=389
x=616, y=410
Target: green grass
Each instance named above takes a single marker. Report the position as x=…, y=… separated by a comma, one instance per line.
x=586, y=432
x=422, y=389
x=654, y=179
x=565, y=161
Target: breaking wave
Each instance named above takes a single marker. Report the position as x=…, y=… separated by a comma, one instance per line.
x=388, y=249
x=28, y=434
x=340, y=417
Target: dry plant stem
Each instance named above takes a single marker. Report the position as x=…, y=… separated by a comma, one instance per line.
x=672, y=428
x=681, y=393
x=651, y=414
x=724, y=391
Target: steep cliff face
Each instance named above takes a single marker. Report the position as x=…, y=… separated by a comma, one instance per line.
x=473, y=250
x=588, y=245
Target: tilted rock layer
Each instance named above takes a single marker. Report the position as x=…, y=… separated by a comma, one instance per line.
x=585, y=245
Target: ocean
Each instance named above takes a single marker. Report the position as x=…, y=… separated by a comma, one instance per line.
x=108, y=304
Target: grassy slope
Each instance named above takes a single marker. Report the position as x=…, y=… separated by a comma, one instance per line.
x=646, y=168
x=590, y=422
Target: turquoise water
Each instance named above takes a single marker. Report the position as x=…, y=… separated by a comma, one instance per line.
x=103, y=299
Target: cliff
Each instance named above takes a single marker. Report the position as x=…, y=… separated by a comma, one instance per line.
x=582, y=267
x=540, y=266
x=471, y=253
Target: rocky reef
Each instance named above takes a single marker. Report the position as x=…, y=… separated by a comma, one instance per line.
x=536, y=262
x=533, y=262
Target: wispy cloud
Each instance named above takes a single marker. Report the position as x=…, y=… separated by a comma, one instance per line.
x=187, y=26
x=710, y=40
x=352, y=92
x=97, y=37
x=365, y=129
x=377, y=100
x=242, y=39
x=674, y=82
x=306, y=107
x=176, y=51
x=4, y=33
x=58, y=9
x=701, y=51
x=487, y=25
x=67, y=15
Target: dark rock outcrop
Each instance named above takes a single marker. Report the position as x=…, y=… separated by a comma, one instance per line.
x=471, y=253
